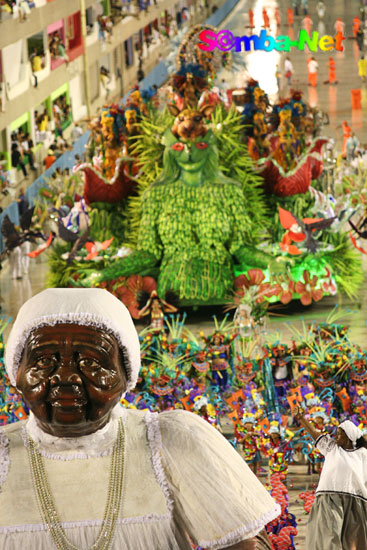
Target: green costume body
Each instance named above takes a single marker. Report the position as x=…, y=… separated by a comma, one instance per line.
x=193, y=223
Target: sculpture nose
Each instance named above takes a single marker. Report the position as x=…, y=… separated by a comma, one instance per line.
x=66, y=373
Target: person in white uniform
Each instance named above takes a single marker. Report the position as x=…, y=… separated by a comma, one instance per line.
x=84, y=473
x=338, y=518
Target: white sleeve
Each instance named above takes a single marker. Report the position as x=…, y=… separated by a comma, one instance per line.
x=4, y=457
x=218, y=501
x=325, y=443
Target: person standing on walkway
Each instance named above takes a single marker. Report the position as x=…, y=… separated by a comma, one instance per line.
x=362, y=68
x=339, y=26
x=290, y=17
x=360, y=39
x=332, y=72
x=320, y=9
x=251, y=19
x=338, y=516
x=17, y=160
x=307, y=23
x=312, y=67
x=288, y=70
x=356, y=25
x=266, y=19
x=277, y=16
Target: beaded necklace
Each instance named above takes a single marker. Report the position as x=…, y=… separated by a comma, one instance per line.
x=46, y=502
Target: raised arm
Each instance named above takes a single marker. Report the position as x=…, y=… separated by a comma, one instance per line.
x=298, y=415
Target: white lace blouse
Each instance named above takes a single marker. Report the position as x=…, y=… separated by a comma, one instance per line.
x=344, y=471
x=181, y=479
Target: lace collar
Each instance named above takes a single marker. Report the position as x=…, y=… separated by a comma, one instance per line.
x=99, y=443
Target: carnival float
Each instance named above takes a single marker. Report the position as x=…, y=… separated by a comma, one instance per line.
x=185, y=193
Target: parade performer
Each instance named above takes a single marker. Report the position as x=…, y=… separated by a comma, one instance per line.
x=339, y=26
x=191, y=247
x=266, y=18
x=320, y=9
x=356, y=25
x=288, y=70
x=337, y=518
x=347, y=132
x=332, y=72
x=290, y=17
x=320, y=420
x=362, y=68
x=312, y=67
x=277, y=16
x=277, y=449
x=72, y=353
x=155, y=307
x=217, y=354
x=307, y=24
x=250, y=441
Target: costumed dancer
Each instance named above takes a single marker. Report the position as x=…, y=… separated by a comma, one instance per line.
x=218, y=351
x=338, y=515
x=155, y=307
x=203, y=408
x=250, y=441
x=281, y=363
x=277, y=449
x=320, y=420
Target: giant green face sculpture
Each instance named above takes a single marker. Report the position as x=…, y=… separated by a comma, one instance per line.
x=192, y=155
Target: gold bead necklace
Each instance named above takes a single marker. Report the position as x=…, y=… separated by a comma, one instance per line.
x=46, y=502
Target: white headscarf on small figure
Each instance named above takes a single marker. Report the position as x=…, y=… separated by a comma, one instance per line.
x=81, y=306
x=352, y=431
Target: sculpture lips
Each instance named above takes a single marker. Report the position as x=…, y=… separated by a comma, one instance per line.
x=71, y=396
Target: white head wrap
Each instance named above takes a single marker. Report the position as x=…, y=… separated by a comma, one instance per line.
x=88, y=307
x=351, y=430
x=201, y=402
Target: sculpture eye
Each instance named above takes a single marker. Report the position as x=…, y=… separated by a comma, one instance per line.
x=88, y=363
x=178, y=146
x=46, y=362
x=201, y=145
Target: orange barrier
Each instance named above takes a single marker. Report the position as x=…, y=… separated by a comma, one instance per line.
x=356, y=99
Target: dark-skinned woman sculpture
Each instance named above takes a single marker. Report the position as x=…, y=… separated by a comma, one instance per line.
x=83, y=472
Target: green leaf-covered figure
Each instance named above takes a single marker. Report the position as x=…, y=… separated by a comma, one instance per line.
x=193, y=221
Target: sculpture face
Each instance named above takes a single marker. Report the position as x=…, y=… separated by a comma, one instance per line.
x=71, y=376
x=191, y=156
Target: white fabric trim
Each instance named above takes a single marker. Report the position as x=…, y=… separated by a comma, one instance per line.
x=86, y=523
x=88, y=307
x=97, y=444
x=242, y=533
x=4, y=457
x=155, y=442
